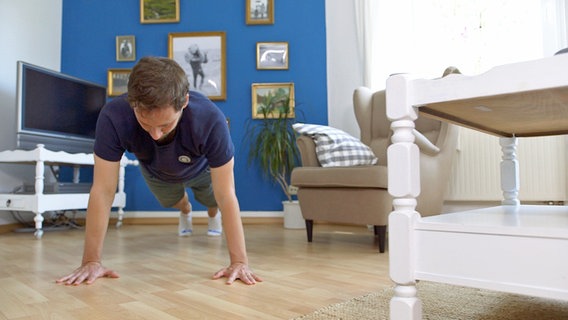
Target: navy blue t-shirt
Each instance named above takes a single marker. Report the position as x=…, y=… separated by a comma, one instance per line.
x=201, y=139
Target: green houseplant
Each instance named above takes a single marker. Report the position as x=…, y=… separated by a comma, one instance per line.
x=272, y=139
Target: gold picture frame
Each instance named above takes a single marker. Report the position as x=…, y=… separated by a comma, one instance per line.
x=202, y=55
x=125, y=48
x=117, y=81
x=259, y=11
x=271, y=100
x=159, y=11
x=272, y=55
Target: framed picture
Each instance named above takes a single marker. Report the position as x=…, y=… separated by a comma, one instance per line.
x=125, y=48
x=117, y=81
x=159, y=11
x=259, y=11
x=273, y=100
x=203, y=57
x=272, y=55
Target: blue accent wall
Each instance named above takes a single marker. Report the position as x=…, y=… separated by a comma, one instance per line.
x=88, y=51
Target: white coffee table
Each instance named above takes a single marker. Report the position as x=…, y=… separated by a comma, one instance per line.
x=511, y=248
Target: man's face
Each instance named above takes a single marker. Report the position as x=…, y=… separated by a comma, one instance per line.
x=159, y=122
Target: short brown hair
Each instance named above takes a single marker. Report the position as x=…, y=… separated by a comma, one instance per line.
x=156, y=82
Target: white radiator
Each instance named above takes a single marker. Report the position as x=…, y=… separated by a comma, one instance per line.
x=542, y=163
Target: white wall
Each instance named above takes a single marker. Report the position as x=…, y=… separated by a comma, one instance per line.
x=31, y=31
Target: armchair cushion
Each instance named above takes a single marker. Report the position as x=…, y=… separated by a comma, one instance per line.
x=336, y=148
x=365, y=177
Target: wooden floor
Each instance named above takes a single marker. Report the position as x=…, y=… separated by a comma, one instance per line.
x=164, y=276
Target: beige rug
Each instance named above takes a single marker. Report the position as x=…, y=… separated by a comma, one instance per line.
x=445, y=302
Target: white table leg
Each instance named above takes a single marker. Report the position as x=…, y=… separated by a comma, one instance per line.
x=76, y=173
x=404, y=186
x=405, y=304
x=509, y=171
x=121, y=173
x=39, y=177
x=38, y=219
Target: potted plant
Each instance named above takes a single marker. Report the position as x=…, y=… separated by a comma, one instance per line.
x=273, y=148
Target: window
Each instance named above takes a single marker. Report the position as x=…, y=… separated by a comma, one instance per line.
x=426, y=36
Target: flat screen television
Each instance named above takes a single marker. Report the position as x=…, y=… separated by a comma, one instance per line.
x=56, y=110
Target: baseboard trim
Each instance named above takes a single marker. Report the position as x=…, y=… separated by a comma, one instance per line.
x=195, y=214
x=199, y=217
x=196, y=221
x=169, y=217
x=5, y=228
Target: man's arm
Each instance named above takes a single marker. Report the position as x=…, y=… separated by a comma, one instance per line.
x=105, y=181
x=224, y=189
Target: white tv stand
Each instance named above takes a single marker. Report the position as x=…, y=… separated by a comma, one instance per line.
x=40, y=202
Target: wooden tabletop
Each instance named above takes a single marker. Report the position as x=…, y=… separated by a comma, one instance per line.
x=522, y=99
x=525, y=114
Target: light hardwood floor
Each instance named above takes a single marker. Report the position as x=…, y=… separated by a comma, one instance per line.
x=164, y=276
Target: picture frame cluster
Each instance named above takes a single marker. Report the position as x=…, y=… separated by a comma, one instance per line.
x=203, y=54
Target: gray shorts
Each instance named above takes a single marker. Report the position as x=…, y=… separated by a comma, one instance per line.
x=168, y=194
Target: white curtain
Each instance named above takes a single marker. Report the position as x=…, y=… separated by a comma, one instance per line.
x=365, y=28
x=426, y=36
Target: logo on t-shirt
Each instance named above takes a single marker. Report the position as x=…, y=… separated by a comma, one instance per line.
x=184, y=159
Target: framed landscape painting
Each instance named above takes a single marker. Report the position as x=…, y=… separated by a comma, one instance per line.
x=202, y=55
x=273, y=100
x=159, y=11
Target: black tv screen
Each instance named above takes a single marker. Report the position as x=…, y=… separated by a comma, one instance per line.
x=56, y=110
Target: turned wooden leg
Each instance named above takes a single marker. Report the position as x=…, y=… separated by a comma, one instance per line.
x=310, y=229
x=381, y=232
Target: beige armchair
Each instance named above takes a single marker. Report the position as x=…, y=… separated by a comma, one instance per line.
x=359, y=195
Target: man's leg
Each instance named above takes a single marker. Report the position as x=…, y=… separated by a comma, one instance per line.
x=171, y=195
x=203, y=192
x=215, y=225
x=185, y=226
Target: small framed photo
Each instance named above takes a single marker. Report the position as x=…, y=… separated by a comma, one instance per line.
x=117, y=81
x=272, y=55
x=259, y=11
x=203, y=57
x=125, y=48
x=273, y=100
x=159, y=11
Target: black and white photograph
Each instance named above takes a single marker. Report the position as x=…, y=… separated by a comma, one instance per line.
x=202, y=56
x=272, y=55
x=259, y=11
x=125, y=48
